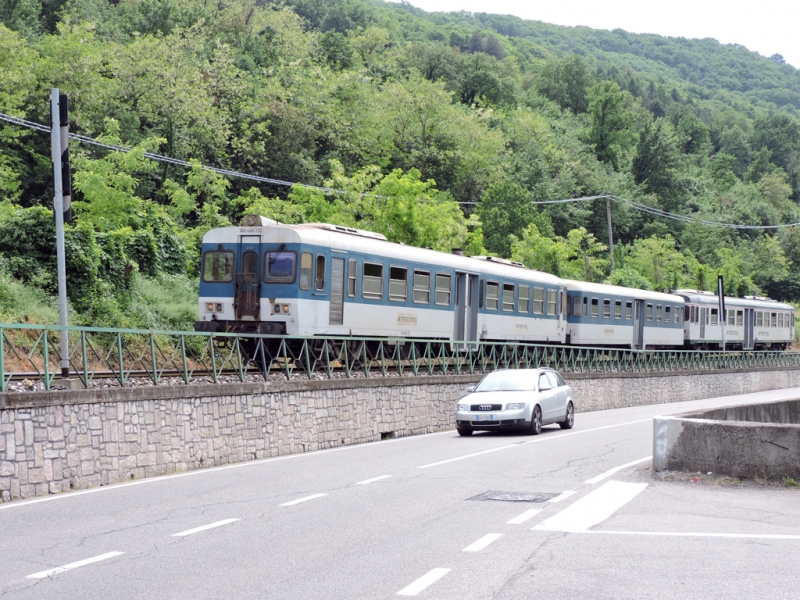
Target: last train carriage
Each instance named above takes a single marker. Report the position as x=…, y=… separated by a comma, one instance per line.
x=318, y=279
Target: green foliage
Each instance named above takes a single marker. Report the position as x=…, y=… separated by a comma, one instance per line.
x=611, y=132
x=578, y=256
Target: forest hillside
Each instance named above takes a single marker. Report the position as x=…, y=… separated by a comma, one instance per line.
x=439, y=130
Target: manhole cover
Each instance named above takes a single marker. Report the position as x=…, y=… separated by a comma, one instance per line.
x=515, y=496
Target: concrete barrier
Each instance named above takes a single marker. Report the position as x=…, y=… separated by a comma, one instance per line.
x=748, y=441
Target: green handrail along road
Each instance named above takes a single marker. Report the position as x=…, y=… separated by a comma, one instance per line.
x=120, y=355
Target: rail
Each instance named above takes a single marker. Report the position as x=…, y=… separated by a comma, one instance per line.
x=30, y=358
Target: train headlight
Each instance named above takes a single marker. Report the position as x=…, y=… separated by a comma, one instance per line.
x=276, y=309
x=286, y=309
x=210, y=307
x=219, y=307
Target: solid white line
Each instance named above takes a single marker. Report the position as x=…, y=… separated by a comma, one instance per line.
x=593, y=508
x=373, y=480
x=611, y=472
x=205, y=527
x=526, y=516
x=75, y=565
x=535, y=441
x=306, y=499
x=420, y=584
x=483, y=542
x=210, y=470
x=746, y=536
x=561, y=496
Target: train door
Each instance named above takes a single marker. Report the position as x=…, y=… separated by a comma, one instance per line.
x=749, y=322
x=247, y=296
x=336, y=311
x=563, y=309
x=465, y=327
x=703, y=317
x=638, y=325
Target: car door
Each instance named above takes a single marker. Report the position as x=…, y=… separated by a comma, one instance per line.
x=547, y=398
x=562, y=394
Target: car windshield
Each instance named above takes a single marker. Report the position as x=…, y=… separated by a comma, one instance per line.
x=507, y=381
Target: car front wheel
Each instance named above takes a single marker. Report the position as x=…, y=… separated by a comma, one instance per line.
x=569, y=421
x=535, y=427
x=464, y=432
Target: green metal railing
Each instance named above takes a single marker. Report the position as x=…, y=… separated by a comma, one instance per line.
x=118, y=356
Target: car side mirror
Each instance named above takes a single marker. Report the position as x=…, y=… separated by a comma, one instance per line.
x=471, y=389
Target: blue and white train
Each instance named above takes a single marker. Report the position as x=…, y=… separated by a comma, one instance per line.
x=326, y=280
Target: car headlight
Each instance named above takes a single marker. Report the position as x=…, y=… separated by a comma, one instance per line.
x=463, y=407
x=515, y=406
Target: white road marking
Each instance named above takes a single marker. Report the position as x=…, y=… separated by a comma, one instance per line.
x=420, y=584
x=483, y=542
x=561, y=496
x=373, y=480
x=526, y=516
x=539, y=439
x=75, y=565
x=306, y=499
x=611, y=472
x=205, y=527
x=746, y=536
x=593, y=508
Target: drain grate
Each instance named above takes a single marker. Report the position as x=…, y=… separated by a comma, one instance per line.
x=514, y=496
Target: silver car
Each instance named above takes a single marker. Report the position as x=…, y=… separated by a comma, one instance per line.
x=522, y=399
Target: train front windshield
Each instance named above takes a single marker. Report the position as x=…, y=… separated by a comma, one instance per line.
x=280, y=267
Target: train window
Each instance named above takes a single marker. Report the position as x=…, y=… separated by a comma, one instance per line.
x=606, y=309
x=319, y=281
x=508, y=297
x=617, y=309
x=649, y=312
x=279, y=267
x=352, y=275
x=667, y=314
x=398, y=284
x=492, y=294
x=551, y=302
x=577, y=306
x=774, y=321
x=218, y=267
x=687, y=314
x=422, y=287
x=780, y=319
x=629, y=310
x=524, y=299
x=442, y=289
x=694, y=314
x=595, y=308
x=731, y=314
x=714, y=315
x=739, y=318
x=372, y=283
x=305, y=270
x=538, y=301
x=658, y=312
x=759, y=318
x=678, y=314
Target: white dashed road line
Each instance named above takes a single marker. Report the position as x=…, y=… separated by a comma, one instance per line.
x=615, y=470
x=561, y=496
x=420, y=584
x=744, y=536
x=593, y=508
x=373, y=480
x=526, y=516
x=306, y=499
x=75, y=565
x=205, y=527
x=483, y=542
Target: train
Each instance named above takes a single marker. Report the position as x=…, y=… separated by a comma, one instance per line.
x=318, y=279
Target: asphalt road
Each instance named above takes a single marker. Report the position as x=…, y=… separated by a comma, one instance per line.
x=401, y=517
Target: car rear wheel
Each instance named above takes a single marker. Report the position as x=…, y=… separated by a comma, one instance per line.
x=536, y=421
x=464, y=432
x=569, y=421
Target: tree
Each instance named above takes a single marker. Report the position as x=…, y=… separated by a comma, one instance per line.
x=611, y=132
x=566, y=82
x=660, y=262
x=657, y=159
x=578, y=256
x=507, y=208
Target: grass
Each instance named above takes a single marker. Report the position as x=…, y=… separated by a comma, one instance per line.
x=790, y=482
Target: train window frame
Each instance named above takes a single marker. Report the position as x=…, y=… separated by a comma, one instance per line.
x=667, y=314
x=538, y=291
x=524, y=297
x=780, y=320
x=739, y=318
x=577, y=306
x=320, y=282
x=492, y=300
x=606, y=308
x=394, y=296
x=564, y=303
x=443, y=291
x=371, y=279
x=658, y=313
x=617, y=309
x=229, y=266
x=714, y=316
x=730, y=317
x=594, y=311
x=759, y=318
x=352, y=277
x=649, y=312
x=508, y=287
x=420, y=289
x=676, y=316
x=268, y=262
x=773, y=320
x=628, y=311
x=552, y=302
x=306, y=270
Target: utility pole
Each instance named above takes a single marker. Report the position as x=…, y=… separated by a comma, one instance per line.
x=610, y=234
x=58, y=206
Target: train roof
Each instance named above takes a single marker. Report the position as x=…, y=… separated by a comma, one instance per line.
x=699, y=297
x=616, y=290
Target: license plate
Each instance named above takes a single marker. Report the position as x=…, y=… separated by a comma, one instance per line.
x=484, y=417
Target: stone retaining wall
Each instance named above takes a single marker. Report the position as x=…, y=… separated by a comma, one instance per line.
x=56, y=441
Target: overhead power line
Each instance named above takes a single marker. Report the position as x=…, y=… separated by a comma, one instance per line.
x=230, y=173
